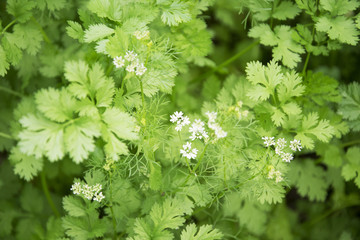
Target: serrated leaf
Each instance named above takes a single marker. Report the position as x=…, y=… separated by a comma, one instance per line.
x=285, y=10
x=339, y=28
x=20, y=9
x=309, y=180
x=291, y=86
x=339, y=7
x=74, y=206
x=75, y=30
x=4, y=64
x=57, y=105
x=206, y=232
x=96, y=32
x=175, y=13
x=351, y=170
x=27, y=167
x=27, y=37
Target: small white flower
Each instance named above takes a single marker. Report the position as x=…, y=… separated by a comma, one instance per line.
x=245, y=113
x=131, y=67
x=119, y=61
x=88, y=192
x=268, y=141
x=97, y=188
x=142, y=34
x=281, y=143
x=140, y=69
x=212, y=116
x=287, y=157
x=278, y=151
x=130, y=56
x=188, y=152
x=98, y=197
x=176, y=116
x=197, y=129
x=76, y=188
x=180, y=120
x=295, y=145
x=278, y=178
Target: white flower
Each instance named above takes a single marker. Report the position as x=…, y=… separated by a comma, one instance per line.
x=197, y=129
x=219, y=132
x=76, y=188
x=245, y=113
x=295, y=145
x=278, y=178
x=268, y=141
x=140, y=69
x=88, y=192
x=287, y=157
x=131, y=67
x=277, y=174
x=278, y=151
x=119, y=61
x=97, y=188
x=212, y=116
x=142, y=34
x=180, y=120
x=281, y=143
x=130, y=56
x=188, y=152
x=98, y=197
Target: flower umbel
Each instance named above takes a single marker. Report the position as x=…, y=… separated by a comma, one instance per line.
x=180, y=120
x=89, y=192
x=268, y=141
x=295, y=145
x=188, y=152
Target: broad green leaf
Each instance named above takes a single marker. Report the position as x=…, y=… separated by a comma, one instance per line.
x=351, y=170
x=205, y=232
x=96, y=32
x=175, y=12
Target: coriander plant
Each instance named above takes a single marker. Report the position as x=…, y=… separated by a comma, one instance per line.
x=179, y=119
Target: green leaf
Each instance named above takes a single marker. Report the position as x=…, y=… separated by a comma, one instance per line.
x=155, y=179
x=264, y=78
x=74, y=206
x=27, y=37
x=309, y=180
x=175, y=12
x=57, y=105
x=349, y=106
x=285, y=10
x=351, y=170
x=75, y=30
x=206, y=232
x=117, y=125
x=336, y=7
x=291, y=87
x=339, y=28
x=284, y=47
x=4, y=64
x=20, y=9
x=41, y=137
x=13, y=53
x=96, y=32
x=27, y=167
x=79, y=138
x=332, y=156
x=311, y=125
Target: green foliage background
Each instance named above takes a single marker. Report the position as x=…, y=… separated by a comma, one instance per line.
x=268, y=68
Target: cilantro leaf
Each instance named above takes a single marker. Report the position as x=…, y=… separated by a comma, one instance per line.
x=20, y=9
x=4, y=64
x=351, y=170
x=284, y=47
x=349, y=107
x=175, y=12
x=309, y=180
x=311, y=125
x=97, y=32
x=57, y=105
x=74, y=206
x=27, y=167
x=75, y=30
x=285, y=10
x=205, y=232
x=339, y=28
x=27, y=37
x=339, y=7
x=263, y=78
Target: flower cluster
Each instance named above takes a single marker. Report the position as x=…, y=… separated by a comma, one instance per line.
x=238, y=111
x=132, y=63
x=280, y=145
x=188, y=152
x=180, y=120
x=89, y=192
x=142, y=35
x=197, y=129
x=219, y=132
x=275, y=174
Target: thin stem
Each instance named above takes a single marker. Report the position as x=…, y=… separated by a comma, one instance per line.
x=111, y=208
x=5, y=135
x=47, y=194
x=347, y=144
x=43, y=33
x=142, y=94
x=7, y=26
x=227, y=62
x=201, y=158
x=4, y=89
x=306, y=63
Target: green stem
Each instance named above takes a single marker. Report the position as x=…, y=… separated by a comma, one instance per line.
x=7, y=26
x=47, y=194
x=5, y=135
x=347, y=144
x=227, y=62
x=4, y=89
x=306, y=63
x=111, y=208
x=43, y=33
x=142, y=94
x=328, y=213
x=201, y=158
